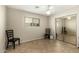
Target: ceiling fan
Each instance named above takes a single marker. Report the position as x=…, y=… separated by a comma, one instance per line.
x=49, y=9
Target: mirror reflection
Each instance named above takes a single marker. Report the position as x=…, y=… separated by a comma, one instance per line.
x=66, y=29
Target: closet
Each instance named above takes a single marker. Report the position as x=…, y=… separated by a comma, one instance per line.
x=66, y=29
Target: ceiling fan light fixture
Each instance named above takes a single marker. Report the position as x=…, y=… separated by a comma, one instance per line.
x=49, y=9
x=48, y=12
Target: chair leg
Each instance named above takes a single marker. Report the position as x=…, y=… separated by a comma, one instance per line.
x=13, y=45
x=19, y=41
x=49, y=37
x=7, y=45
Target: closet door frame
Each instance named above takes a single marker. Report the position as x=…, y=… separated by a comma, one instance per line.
x=76, y=28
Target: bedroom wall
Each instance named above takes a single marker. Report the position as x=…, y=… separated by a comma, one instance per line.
x=15, y=21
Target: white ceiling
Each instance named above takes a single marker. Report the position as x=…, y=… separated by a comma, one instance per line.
x=43, y=8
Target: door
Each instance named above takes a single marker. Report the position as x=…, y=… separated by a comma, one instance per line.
x=66, y=29
x=70, y=29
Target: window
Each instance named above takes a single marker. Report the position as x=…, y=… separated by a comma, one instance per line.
x=30, y=21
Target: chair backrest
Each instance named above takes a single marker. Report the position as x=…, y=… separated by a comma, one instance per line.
x=10, y=34
x=47, y=31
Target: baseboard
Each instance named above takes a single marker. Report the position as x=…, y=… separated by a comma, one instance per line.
x=30, y=40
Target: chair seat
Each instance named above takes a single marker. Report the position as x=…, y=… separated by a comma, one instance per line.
x=14, y=39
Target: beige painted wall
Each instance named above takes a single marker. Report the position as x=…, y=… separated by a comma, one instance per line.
x=15, y=21
x=2, y=28
x=52, y=25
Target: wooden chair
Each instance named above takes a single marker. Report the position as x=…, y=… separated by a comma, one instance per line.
x=10, y=38
x=47, y=33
